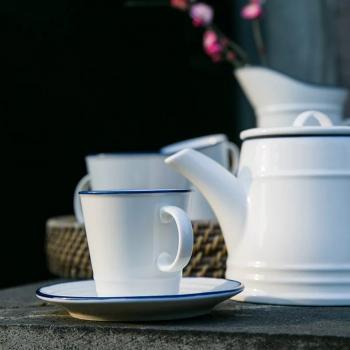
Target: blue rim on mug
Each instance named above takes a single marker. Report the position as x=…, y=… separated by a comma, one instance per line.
x=136, y=191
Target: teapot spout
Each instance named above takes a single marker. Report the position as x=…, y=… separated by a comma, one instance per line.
x=223, y=191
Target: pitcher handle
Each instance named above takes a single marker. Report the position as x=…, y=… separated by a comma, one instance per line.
x=185, y=234
x=83, y=185
x=233, y=152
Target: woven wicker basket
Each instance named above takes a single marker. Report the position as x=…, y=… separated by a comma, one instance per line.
x=68, y=254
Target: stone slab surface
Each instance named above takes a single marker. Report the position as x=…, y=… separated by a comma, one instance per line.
x=26, y=323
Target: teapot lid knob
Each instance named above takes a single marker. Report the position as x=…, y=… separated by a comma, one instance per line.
x=322, y=119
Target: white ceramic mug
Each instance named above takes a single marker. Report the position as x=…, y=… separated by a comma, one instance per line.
x=108, y=171
x=220, y=149
x=139, y=240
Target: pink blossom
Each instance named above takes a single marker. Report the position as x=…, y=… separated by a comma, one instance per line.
x=180, y=4
x=252, y=10
x=212, y=46
x=202, y=14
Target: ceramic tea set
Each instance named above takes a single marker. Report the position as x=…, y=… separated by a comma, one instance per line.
x=137, y=218
x=282, y=208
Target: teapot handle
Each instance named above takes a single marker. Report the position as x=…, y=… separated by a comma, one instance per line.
x=322, y=119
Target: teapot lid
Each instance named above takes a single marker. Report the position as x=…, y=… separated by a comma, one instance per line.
x=325, y=128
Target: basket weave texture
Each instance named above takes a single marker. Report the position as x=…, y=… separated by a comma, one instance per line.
x=68, y=253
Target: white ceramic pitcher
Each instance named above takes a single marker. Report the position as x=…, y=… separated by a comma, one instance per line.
x=277, y=99
x=285, y=217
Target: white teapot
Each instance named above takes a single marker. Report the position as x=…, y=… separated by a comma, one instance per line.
x=285, y=217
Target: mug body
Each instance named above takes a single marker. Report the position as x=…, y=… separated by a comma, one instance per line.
x=126, y=236
x=132, y=170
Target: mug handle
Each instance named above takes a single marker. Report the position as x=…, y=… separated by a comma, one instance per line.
x=83, y=185
x=185, y=233
x=233, y=152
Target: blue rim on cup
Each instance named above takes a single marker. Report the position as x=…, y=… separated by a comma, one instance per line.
x=135, y=191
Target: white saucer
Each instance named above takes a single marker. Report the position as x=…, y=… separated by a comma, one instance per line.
x=197, y=296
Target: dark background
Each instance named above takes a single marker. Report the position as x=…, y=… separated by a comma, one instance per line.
x=82, y=77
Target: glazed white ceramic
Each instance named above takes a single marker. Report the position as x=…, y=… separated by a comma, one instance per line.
x=197, y=296
x=109, y=171
x=139, y=240
x=285, y=217
x=278, y=99
x=217, y=147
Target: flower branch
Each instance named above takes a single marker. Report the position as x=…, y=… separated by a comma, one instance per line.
x=215, y=43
